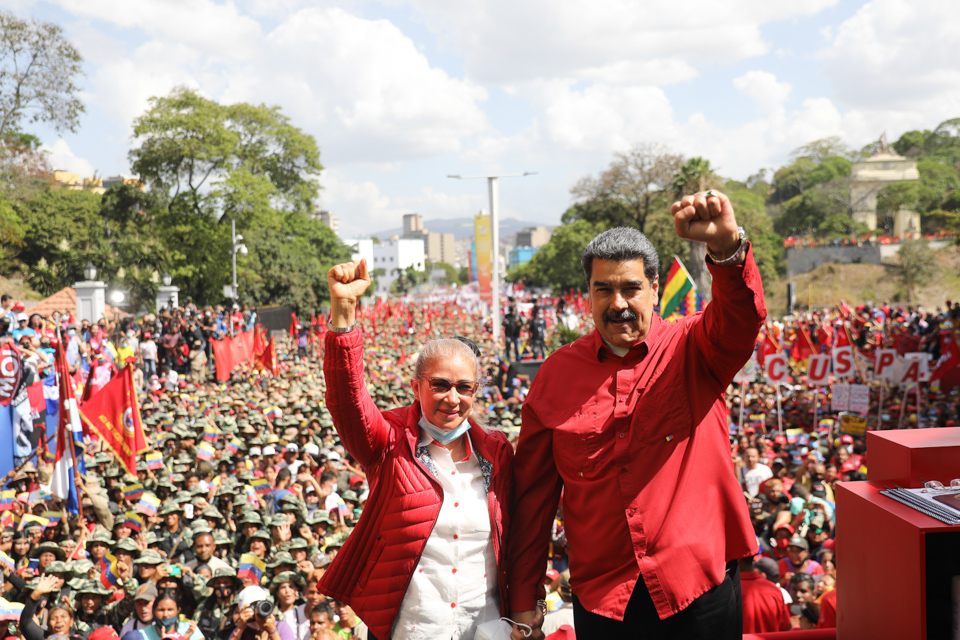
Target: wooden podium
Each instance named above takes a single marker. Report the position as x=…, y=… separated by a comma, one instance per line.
x=896, y=564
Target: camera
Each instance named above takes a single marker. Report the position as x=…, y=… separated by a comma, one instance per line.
x=264, y=608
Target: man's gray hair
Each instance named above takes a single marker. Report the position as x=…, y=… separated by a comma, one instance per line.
x=621, y=244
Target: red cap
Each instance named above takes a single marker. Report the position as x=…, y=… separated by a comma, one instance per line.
x=780, y=440
x=104, y=633
x=786, y=526
x=553, y=574
x=355, y=480
x=846, y=439
x=146, y=334
x=849, y=465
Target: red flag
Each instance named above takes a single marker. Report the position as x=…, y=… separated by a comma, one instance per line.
x=767, y=347
x=268, y=359
x=258, y=345
x=114, y=414
x=293, y=324
x=802, y=346
x=948, y=361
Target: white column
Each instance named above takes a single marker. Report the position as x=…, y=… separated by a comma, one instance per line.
x=168, y=295
x=91, y=300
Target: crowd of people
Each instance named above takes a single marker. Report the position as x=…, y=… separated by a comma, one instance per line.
x=240, y=541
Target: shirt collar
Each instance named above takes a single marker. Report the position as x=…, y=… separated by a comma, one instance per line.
x=426, y=439
x=642, y=348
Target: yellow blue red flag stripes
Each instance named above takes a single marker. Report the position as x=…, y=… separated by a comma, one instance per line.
x=251, y=567
x=680, y=297
x=10, y=611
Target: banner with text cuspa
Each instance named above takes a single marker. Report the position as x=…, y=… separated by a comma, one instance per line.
x=481, y=231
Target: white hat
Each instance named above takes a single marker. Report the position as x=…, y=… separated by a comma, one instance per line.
x=269, y=450
x=249, y=595
x=255, y=451
x=293, y=448
x=311, y=448
x=22, y=317
x=333, y=455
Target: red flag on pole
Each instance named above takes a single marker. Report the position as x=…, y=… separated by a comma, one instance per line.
x=114, y=414
x=802, y=346
x=268, y=359
x=293, y=324
x=948, y=361
x=767, y=347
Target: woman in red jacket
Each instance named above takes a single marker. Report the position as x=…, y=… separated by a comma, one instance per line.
x=427, y=558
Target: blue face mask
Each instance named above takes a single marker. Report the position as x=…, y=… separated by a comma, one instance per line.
x=441, y=436
x=71, y=332
x=166, y=623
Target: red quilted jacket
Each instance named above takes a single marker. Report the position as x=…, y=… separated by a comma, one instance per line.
x=373, y=569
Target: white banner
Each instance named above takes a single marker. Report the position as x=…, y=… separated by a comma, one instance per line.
x=859, y=399
x=840, y=401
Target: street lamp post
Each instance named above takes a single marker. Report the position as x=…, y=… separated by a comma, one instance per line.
x=237, y=246
x=493, y=189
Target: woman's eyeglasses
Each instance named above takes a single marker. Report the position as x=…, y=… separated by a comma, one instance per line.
x=935, y=486
x=465, y=388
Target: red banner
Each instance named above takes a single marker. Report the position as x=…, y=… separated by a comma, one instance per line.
x=231, y=352
x=114, y=414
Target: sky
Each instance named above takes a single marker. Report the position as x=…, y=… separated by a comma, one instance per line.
x=401, y=93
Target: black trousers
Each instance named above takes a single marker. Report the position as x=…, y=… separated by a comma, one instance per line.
x=715, y=615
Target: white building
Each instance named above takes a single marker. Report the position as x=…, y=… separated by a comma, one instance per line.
x=362, y=248
x=393, y=257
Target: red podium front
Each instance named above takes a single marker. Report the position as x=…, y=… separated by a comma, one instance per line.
x=896, y=564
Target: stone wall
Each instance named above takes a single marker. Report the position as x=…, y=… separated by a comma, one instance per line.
x=804, y=259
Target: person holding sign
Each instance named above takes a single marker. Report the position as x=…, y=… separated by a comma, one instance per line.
x=629, y=422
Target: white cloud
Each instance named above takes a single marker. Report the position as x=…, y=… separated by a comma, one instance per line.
x=62, y=157
x=506, y=41
x=363, y=208
x=898, y=56
x=763, y=88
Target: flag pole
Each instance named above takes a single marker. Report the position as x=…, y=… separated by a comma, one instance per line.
x=60, y=431
x=779, y=413
x=880, y=406
x=743, y=405
x=816, y=407
x=903, y=406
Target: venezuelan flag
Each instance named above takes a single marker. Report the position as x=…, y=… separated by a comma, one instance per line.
x=109, y=574
x=10, y=611
x=29, y=520
x=148, y=504
x=251, y=495
x=233, y=446
x=7, y=560
x=133, y=492
x=261, y=486
x=252, y=567
x=210, y=433
x=53, y=517
x=680, y=297
x=133, y=520
x=205, y=451
x=154, y=460
x=7, y=499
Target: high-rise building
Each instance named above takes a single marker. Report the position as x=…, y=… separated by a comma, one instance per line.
x=533, y=237
x=328, y=218
x=392, y=257
x=412, y=225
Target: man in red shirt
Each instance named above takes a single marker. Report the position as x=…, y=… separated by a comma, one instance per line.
x=763, y=607
x=629, y=421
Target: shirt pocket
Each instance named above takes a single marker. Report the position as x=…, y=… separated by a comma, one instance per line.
x=577, y=454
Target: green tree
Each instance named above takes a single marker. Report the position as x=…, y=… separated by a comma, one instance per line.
x=919, y=263
x=62, y=230
x=557, y=263
x=635, y=187
x=212, y=164
x=38, y=71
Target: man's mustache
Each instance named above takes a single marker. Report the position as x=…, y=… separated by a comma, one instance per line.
x=624, y=315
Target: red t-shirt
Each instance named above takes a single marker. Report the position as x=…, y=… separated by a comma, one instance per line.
x=764, y=610
x=828, y=610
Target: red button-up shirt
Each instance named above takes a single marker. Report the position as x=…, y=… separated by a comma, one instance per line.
x=640, y=447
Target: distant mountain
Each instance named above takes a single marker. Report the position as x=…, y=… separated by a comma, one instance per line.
x=460, y=227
